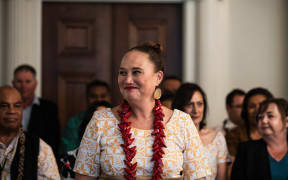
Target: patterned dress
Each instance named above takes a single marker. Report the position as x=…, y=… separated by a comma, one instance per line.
x=218, y=153
x=100, y=148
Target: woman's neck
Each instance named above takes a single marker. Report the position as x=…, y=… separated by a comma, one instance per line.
x=142, y=109
x=277, y=146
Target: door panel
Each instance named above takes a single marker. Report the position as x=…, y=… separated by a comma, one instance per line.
x=76, y=50
x=86, y=41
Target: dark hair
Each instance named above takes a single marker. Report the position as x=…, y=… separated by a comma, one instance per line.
x=88, y=115
x=96, y=83
x=154, y=50
x=232, y=94
x=167, y=95
x=244, y=113
x=183, y=96
x=25, y=67
x=281, y=104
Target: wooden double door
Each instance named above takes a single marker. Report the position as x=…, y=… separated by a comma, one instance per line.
x=86, y=41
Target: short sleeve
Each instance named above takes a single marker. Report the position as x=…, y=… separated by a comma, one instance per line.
x=222, y=155
x=47, y=166
x=88, y=157
x=195, y=160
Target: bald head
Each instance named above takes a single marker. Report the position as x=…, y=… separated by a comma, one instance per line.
x=11, y=107
x=9, y=89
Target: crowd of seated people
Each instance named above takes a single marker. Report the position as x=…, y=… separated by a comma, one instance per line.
x=251, y=142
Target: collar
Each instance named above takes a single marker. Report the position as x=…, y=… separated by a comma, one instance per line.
x=11, y=147
x=36, y=100
x=229, y=124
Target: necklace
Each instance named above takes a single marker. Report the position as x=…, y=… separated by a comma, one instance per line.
x=130, y=152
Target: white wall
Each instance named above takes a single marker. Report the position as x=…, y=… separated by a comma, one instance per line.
x=259, y=44
x=23, y=40
x=213, y=56
x=242, y=45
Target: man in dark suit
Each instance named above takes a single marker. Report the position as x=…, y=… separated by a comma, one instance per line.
x=40, y=116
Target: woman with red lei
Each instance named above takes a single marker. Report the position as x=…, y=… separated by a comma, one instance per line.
x=140, y=138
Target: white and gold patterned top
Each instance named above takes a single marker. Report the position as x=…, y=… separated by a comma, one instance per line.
x=218, y=153
x=100, y=148
x=47, y=166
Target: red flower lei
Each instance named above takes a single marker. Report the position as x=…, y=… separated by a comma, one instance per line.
x=130, y=152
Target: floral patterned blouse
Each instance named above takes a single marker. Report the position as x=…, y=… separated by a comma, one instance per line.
x=100, y=148
x=218, y=153
x=47, y=166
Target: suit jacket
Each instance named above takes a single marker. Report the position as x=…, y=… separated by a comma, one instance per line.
x=44, y=123
x=252, y=161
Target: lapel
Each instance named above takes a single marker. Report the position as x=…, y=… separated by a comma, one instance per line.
x=264, y=164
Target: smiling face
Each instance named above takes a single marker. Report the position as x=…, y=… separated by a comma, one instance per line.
x=137, y=78
x=196, y=108
x=270, y=122
x=10, y=109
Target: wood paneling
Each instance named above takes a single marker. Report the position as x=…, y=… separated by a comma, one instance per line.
x=82, y=41
x=76, y=37
x=141, y=30
x=71, y=93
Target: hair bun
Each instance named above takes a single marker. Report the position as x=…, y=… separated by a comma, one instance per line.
x=153, y=45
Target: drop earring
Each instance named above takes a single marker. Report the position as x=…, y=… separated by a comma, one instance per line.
x=157, y=93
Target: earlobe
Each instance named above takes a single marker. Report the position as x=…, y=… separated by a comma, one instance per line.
x=286, y=121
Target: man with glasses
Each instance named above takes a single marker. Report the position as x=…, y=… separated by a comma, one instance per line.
x=234, y=101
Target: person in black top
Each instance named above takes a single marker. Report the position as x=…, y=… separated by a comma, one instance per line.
x=267, y=158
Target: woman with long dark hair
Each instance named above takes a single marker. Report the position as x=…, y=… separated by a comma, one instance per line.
x=191, y=99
